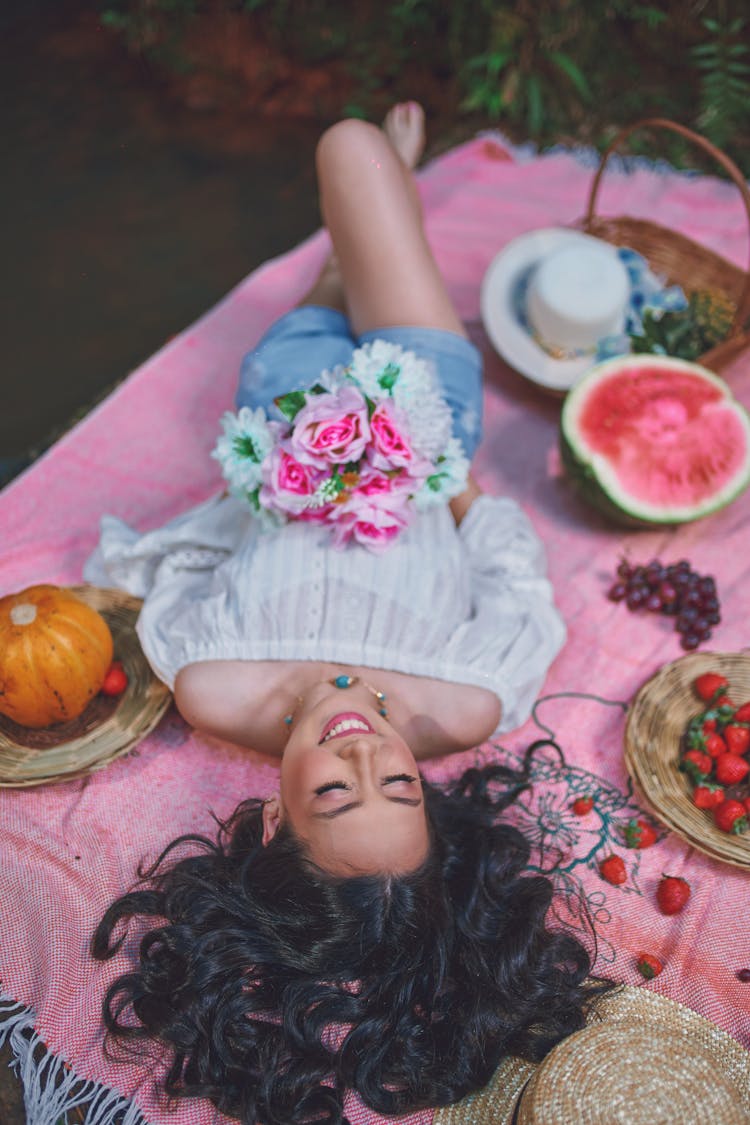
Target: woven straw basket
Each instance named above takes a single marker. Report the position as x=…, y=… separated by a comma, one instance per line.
x=656, y=722
x=671, y=255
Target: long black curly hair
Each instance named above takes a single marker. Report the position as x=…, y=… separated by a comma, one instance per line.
x=279, y=986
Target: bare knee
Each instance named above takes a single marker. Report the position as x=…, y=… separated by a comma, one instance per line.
x=347, y=140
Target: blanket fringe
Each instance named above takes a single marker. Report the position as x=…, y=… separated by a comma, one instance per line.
x=51, y=1088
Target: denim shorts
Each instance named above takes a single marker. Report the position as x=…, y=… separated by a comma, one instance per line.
x=308, y=340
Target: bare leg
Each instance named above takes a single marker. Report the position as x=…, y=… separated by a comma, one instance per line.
x=404, y=128
x=327, y=289
x=372, y=211
x=382, y=271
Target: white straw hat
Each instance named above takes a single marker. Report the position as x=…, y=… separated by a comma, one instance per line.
x=547, y=300
x=641, y=1060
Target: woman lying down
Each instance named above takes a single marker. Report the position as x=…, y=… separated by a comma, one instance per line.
x=361, y=929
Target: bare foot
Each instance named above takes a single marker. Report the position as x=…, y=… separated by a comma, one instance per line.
x=404, y=128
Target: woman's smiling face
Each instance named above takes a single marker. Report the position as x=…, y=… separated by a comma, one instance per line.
x=350, y=787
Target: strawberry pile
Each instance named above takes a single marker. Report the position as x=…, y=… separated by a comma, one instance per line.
x=715, y=749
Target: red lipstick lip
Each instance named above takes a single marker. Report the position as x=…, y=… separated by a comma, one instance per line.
x=339, y=718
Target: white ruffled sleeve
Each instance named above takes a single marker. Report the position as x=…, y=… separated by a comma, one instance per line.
x=196, y=540
x=515, y=631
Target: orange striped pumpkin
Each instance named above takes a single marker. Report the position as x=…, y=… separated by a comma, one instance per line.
x=54, y=654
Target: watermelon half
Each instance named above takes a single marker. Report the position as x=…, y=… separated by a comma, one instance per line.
x=653, y=440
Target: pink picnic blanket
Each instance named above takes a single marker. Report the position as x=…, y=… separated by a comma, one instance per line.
x=143, y=455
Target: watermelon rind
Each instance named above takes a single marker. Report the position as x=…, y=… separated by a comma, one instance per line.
x=593, y=475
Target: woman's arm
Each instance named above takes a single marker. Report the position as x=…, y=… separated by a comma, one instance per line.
x=460, y=504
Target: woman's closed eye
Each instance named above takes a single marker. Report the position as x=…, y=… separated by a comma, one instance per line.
x=331, y=785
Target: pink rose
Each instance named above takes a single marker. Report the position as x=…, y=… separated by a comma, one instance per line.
x=287, y=483
x=391, y=448
x=332, y=428
x=385, y=490
x=369, y=524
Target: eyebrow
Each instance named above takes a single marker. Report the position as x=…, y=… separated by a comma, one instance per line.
x=412, y=801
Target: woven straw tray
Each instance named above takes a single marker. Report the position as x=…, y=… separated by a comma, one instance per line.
x=656, y=722
x=108, y=728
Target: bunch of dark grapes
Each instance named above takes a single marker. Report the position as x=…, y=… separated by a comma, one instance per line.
x=676, y=591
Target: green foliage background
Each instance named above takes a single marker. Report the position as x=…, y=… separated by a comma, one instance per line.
x=546, y=70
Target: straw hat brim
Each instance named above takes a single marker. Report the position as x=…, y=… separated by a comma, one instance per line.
x=509, y=336
x=628, y=1006
x=108, y=728
x=656, y=722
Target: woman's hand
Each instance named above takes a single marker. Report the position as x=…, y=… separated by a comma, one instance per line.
x=460, y=504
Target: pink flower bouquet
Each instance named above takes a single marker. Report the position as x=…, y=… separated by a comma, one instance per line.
x=363, y=449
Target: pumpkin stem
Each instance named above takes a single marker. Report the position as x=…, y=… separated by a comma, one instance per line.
x=23, y=614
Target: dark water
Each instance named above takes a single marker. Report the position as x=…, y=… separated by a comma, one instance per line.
x=126, y=214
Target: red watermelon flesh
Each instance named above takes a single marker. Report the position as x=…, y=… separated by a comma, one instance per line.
x=663, y=438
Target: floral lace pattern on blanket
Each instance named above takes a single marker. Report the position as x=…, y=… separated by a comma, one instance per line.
x=567, y=847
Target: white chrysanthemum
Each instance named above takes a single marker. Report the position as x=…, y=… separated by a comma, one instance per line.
x=247, y=439
x=448, y=479
x=414, y=390
x=370, y=361
x=430, y=424
x=332, y=380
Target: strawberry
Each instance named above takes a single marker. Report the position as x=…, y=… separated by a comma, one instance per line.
x=709, y=726
x=710, y=684
x=737, y=738
x=640, y=834
x=613, y=870
x=731, y=816
x=707, y=796
x=725, y=701
x=715, y=745
x=583, y=805
x=696, y=765
x=672, y=893
x=731, y=769
x=116, y=679
x=742, y=714
x=648, y=965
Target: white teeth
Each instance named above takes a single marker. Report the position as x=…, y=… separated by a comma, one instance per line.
x=347, y=724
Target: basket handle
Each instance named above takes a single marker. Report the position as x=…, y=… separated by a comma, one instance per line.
x=743, y=305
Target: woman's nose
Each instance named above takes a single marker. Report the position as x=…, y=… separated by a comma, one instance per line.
x=358, y=747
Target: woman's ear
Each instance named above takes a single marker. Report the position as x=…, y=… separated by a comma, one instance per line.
x=271, y=818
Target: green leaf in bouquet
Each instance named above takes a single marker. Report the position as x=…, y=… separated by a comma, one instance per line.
x=290, y=404
x=244, y=446
x=434, y=481
x=389, y=377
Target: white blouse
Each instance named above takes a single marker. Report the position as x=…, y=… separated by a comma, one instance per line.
x=468, y=605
